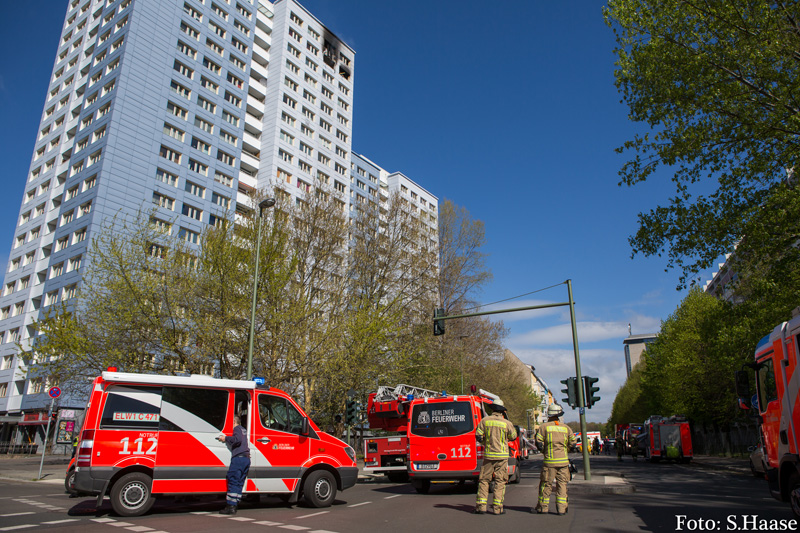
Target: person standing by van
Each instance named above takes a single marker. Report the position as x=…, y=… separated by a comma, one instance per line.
x=240, y=465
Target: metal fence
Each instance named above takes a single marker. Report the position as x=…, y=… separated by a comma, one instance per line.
x=732, y=440
x=9, y=447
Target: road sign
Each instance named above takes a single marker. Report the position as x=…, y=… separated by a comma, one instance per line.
x=54, y=392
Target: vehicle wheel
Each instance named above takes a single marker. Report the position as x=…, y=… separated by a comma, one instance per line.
x=422, y=486
x=397, y=477
x=516, y=477
x=69, y=482
x=131, y=496
x=794, y=494
x=319, y=490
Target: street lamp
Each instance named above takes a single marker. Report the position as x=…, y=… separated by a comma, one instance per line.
x=269, y=202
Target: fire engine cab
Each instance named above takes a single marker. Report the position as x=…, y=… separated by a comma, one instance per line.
x=777, y=400
x=145, y=435
x=439, y=436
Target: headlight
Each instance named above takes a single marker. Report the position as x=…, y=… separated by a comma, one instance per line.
x=351, y=453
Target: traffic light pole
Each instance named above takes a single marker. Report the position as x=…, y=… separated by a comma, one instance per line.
x=439, y=318
x=587, y=471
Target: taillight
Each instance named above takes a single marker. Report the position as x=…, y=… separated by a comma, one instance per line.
x=479, y=451
x=84, y=457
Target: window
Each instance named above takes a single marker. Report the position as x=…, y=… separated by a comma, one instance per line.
x=294, y=34
x=310, y=97
x=310, y=64
x=325, y=126
x=204, y=125
x=292, y=67
x=176, y=110
x=305, y=167
x=79, y=236
x=341, y=152
x=62, y=243
x=326, y=143
x=173, y=132
x=200, y=145
x=344, y=105
x=314, y=34
x=67, y=217
x=225, y=158
x=290, y=84
x=207, y=105
x=180, y=89
x=288, y=100
x=288, y=119
x=241, y=27
x=192, y=212
x=227, y=181
x=292, y=50
x=183, y=69
x=163, y=201
x=222, y=201
x=286, y=156
x=327, y=92
x=305, y=130
x=230, y=118
x=219, y=11
x=216, y=29
x=340, y=169
x=233, y=80
x=70, y=291
x=57, y=270
x=210, y=65
x=199, y=168
x=306, y=149
x=286, y=138
x=99, y=134
x=311, y=48
x=146, y=402
x=342, y=120
x=74, y=263
x=189, y=236
x=182, y=404
x=278, y=414
x=239, y=44
x=297, y=20
x=103, y=110
x=323, y=178
x=36, y=385
x=325, y=160
x=233, y=99
x=85, y=209
x=192, y=12
x=326, y=108
x=284, y=176
x=217, y=49
x=188, y=30
x=227, y=137
x=170, y=154
x=308, y=113
x=195, y=189
x=342, y=136
x=327, y=77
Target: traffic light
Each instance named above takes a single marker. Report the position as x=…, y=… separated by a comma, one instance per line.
x=350, y=412
x=571, y=391
x=589, y=391
x=438, y=325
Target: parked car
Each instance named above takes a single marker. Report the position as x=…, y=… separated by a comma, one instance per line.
x=757, y=464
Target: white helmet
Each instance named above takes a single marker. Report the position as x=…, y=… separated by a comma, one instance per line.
x=554, y=410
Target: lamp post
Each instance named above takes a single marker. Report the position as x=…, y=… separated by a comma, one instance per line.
x=269, y=202
x=460, y=341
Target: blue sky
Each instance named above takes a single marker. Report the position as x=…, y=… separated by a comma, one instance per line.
x=507, y=108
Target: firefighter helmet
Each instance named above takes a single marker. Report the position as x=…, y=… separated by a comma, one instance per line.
x=554, y=410
x=498, y=405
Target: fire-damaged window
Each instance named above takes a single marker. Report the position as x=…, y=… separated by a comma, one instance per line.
x=330, y=54
x=441, y=419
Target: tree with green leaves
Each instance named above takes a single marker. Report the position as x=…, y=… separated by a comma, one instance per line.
x=718, y=85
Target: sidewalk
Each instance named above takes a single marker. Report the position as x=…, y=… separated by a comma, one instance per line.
x=26, y=468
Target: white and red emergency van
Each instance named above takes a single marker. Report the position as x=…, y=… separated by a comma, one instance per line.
x=777, y=401
x=145, y=435
x=667, y=438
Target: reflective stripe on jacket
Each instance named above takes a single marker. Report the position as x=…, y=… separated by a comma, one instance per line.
x=555, y=439
x=495, y=432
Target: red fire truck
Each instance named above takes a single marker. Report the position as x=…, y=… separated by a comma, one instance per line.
x=439, y=436
x=145, y=435
x=777, y=400
x=666, y=438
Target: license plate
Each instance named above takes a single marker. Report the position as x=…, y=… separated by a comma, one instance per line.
x=426, y=466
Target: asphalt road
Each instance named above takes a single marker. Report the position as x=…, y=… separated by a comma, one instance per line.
x=663, y=493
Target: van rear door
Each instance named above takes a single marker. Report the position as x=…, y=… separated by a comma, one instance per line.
x=442, y=437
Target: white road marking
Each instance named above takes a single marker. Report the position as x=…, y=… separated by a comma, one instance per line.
x=16, y=514
x=23, y=526
x=359, y=504
x=242, y=518
x=294, y=527
x=390, y=497
x=102, y=520
x=119, y=524
x=310, y=515
x=53, y=522
x=139, y=529
x=267, y=523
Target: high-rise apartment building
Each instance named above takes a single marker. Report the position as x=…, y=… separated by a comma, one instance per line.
x=185, y=106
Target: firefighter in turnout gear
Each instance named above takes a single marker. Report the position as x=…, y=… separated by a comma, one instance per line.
x=554, y=439
x=495, y=432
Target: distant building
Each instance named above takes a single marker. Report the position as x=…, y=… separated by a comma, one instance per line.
x=634, y=347
x=537, y=385
x=722, y=282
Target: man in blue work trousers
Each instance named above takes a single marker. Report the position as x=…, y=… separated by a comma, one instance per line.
x=240, y=465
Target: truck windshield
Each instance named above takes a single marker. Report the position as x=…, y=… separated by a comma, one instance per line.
x=444, y=419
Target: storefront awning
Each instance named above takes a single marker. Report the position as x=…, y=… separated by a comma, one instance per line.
x=33, y=419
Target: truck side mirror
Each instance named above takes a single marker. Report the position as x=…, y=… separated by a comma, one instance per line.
x=304, y=427
x=742, y=379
